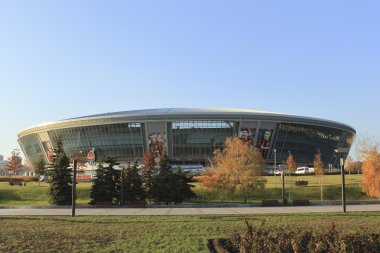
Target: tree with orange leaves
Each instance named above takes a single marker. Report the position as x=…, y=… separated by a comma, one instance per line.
x=319, y=169
x=238, y=167
x=291, y=164
x=14, y=163
x=371, y=173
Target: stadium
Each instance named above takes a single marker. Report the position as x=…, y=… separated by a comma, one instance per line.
x=189, y=136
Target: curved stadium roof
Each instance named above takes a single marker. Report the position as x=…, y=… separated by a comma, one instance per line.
x=183, y=114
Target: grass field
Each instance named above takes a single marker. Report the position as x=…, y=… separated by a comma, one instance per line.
x=33, y=194
x=153, y=233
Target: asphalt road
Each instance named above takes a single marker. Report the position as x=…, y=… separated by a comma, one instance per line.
x=187, y=211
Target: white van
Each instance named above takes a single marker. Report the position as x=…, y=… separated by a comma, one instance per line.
x=302, y=171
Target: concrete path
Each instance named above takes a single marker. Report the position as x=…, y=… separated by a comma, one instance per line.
x=188, y=211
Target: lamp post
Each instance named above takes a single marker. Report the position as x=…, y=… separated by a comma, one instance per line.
x=283, y=187
x=121, y=169
x=343, y=185
x=121, y=188
x=341, y=163
x=73, y=192
x=275, y=167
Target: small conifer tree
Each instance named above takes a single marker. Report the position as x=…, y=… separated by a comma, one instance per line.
x=132, y=184
x=170, y=187
x=60, y=177
x=40, y=168
x=104, y=188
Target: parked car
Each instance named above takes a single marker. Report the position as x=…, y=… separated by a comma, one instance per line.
x=302, y=171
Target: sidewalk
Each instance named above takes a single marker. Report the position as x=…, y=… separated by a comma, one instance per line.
x=187, y=210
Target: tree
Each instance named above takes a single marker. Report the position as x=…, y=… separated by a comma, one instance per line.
x=371, y=173
x=104, y=187
x=349, y=164
x=238, y=167
x=147, y=172
x=358, y=166
x=132, y=184
x=184, y=186
x=170, y=187
x=364, y=144
x=40, y=168
x=163, y=187
x=81, y=161
x=291, y=163
x=14, y=163
x=61, y=177
x=319, y=170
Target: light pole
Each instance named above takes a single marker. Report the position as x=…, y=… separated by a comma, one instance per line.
x=341, y=163
x=275, y=167
x=283, y=187
x=121, y=169
x=121, y=188
x=73, y=192
x=343, y=185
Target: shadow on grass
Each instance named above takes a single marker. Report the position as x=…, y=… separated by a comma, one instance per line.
x=9, y=195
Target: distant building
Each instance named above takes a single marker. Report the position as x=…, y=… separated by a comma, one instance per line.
x=3, y=165
x=1, y=158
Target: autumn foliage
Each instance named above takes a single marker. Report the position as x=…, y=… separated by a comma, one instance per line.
x=15, y=163
x=371, y=173
x=238, y=167
x=291, y=163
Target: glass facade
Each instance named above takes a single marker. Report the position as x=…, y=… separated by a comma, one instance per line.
x=31, y=147
x=198, y=139
x=303, y=141
x=264, y=137
x=124, y=141
x=192, y=140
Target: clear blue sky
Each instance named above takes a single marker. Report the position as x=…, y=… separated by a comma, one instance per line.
x=73, y=58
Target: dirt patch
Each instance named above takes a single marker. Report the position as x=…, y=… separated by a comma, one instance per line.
x=220, y=245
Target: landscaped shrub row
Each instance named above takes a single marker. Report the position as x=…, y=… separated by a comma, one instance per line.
x=300, y=239
x=22, y=178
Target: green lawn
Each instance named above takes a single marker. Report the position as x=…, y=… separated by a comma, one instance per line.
x=331, y=191
x=152, y=233
x=35, y=194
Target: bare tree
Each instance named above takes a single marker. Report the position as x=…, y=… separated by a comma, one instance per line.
x=363, y=144
x=349, y=164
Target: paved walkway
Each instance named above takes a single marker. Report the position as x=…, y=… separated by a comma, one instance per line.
x=188, y=211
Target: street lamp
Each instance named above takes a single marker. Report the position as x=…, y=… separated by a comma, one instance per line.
x=121, y=169
x=275, y=168
x=343, y=184
x=73, y=192
x=283, y=187
x=74, y=186
x=341, y=163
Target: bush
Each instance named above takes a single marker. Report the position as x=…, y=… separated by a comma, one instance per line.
x=299, y=239
x=30, y=178
x=9, y=179
x=22, y=178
